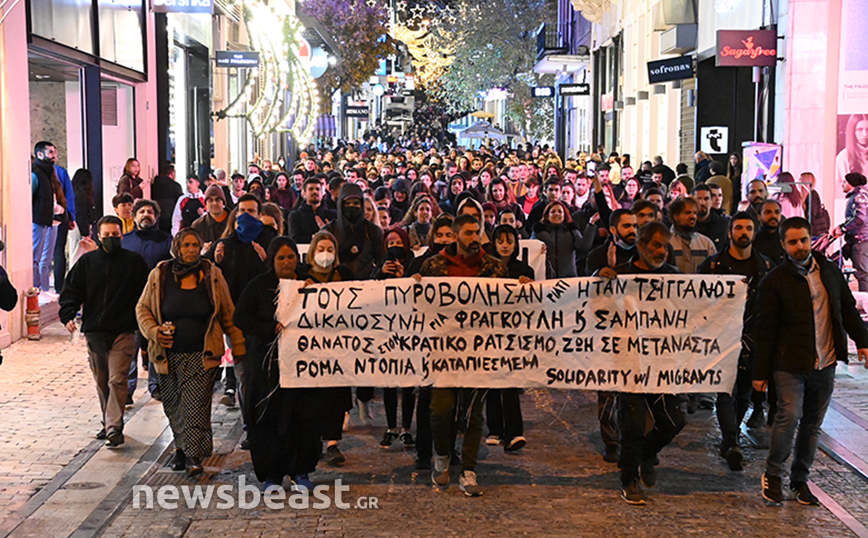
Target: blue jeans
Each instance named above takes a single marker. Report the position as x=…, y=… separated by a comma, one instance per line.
x=802, y=401
x=40, y=243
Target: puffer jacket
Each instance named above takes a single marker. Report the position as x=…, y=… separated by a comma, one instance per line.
x=563, y=245
x=856, y=215
x=150, y=317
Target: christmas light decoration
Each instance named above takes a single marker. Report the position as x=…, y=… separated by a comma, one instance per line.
x=275, y=33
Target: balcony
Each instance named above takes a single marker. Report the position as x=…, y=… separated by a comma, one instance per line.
x=553, y=51
x=549, y=41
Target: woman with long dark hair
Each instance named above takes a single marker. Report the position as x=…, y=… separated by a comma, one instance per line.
x=854, y=156
x=132, y=183
x=282, y=424
x=85, y=212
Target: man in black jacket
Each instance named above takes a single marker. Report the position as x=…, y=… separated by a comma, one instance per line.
x=805, y=312
x=709, y=222
x=739, y=259
x=107, y=283
x=166, y=191
x=622, y=238
x=768, y=241
x=310, y=215
x=638, y=449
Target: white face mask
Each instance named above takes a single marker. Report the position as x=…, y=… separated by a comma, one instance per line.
x=324, y=259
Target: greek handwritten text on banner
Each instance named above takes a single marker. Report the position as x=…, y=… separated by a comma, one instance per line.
x=637, y=333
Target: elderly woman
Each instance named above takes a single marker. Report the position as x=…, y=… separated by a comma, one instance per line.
x=190, y=293
x=282, y=424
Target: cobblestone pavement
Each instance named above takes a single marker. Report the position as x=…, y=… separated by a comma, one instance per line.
x=557, y=486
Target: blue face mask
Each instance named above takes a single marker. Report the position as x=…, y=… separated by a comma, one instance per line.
x=624, y=245
x=248, y=228
x=800, y=264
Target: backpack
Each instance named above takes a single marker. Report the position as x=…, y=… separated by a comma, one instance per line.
x=190, y=210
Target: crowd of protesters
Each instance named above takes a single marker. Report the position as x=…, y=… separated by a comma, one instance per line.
x=178, y=275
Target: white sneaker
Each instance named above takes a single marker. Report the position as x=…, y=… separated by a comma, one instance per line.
x=492, y=440
x=467, y=484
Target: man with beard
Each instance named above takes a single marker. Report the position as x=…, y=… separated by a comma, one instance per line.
x=43, y=185
x=690, y=247
x=619, y=249
x=465, y=258
x=768, y=242
x=638, y=449
x=154, y=245
x=805, y=312
x=756, y=195
x=621, y=240
x=739, y=259
x=107, y=282
x=310, y=215
x=709, y=222
x=360, y=241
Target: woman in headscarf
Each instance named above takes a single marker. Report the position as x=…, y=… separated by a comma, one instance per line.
x=282, y=424
x=191, y=293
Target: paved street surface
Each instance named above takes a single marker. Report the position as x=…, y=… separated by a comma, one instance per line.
x=56, y=480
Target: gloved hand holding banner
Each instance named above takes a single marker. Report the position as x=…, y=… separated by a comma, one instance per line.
x=636, y=333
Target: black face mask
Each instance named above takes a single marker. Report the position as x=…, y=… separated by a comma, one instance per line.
x=353, y=213
x=395, y=253
x=111, y=244
x=437, y=247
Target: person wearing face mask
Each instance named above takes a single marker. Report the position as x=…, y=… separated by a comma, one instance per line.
x=740, y=258
x=282, y=424
x=439, y=236
x=240, y=255
x=325, y=266
x=106, y=284
x=638, y=455
x=359, y=240
x=503, y=406
x=191, y=293
x=622, y=238
x=805, y=312
x=398, y=257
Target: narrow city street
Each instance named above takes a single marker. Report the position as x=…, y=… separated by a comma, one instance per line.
x=56, y=480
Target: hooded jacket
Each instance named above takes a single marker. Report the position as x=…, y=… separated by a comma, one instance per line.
x=42, y=200
x=360, y=243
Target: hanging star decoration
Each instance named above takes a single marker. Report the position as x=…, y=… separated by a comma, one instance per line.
x=275, y=33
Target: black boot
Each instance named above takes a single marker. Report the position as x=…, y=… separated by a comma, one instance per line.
x=179, y=461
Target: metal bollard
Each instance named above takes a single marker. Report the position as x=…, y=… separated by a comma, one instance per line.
x=32, y=314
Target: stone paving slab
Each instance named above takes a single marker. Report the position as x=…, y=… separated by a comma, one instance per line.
x=557, y=486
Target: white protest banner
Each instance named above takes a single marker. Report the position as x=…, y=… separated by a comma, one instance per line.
x=530, y=252
x=637, y=333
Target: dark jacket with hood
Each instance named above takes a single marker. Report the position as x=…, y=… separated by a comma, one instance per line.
x=360, y=242
x=405, y=258
x=108, y=286
x=715, y=228
x=241, y=263
x=702, y=173
x=784, y=335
